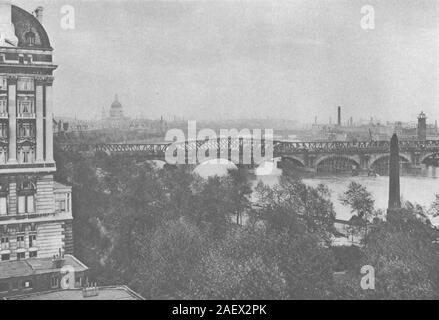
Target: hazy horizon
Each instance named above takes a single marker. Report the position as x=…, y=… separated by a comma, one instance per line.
x=239, y=59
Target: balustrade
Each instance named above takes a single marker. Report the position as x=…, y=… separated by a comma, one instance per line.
x=279, y=147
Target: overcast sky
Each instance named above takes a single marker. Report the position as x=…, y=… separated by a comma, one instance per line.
x=246, y=59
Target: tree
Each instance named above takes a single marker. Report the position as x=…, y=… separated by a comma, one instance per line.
x=290, y=200
x=237, y=268
x=362, y=205
x=434, y=209
x=166, y=259
x=240, y=191
x=404, y=256
x=296, y=222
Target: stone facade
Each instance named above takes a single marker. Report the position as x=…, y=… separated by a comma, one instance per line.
x=35, y=211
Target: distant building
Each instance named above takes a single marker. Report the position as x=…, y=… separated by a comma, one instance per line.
x=35, y=211
x=30, y=276
x=36, y=222
x=116, y=110
x=115, y=118
x=422, y=126
x=417, y=131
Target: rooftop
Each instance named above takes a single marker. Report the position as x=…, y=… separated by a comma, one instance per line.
x=116, y=104
x=104, y=293
x=60, y=186
x=18, y=25
x=33, y=266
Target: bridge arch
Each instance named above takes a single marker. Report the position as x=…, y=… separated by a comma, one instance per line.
x=402, y=157
x=267, y=166
x=337, y=163
x=381, y=164
x=214, y=166
x=430, y=155
x=295, y=160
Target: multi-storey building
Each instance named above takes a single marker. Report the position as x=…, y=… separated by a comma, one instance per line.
x=35, y=211
x=422, y=126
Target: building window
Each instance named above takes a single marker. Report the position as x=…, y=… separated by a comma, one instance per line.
x=68, y=202
x=26, y=185
x=26, y=204
x=20, y=255
x=25, y=84
x=61, y=205
x=20, y=242
x=3, y=155
x=54, y=282
x=3, y=83
x=32, y=241
x=78, y=282
x=5, y=243
x=4, y=287
x=3, y=130
x=14, y=286
x=3, y=105
x=26, y=130
x=21, y=204
x=30, y=38
x=26, y=106
x=26, y=154
x=3, y=205
x=5, y=257
x=30, y=203
x=33, y=254
x=27, y=284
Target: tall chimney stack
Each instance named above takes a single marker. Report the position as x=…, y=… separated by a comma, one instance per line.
x=339, y=116
x=39, y=14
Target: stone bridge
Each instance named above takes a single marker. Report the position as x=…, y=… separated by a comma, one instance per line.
x=342, y=156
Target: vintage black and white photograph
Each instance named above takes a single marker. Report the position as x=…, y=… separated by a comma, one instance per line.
x=227, y=150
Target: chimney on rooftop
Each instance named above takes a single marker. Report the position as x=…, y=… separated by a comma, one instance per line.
x=39, y=14
x=91, y=290
x=58, y=260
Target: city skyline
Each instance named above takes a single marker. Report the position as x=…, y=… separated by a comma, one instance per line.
x=288, y=59
x=234, y=150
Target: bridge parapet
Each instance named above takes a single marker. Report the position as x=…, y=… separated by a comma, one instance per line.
x=280, y=148
x=319, y=147
x=360, y=147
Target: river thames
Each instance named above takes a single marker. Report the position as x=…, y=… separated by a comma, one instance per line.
x=418, y=189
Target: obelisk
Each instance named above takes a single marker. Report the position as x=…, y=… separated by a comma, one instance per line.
x=394, y=196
